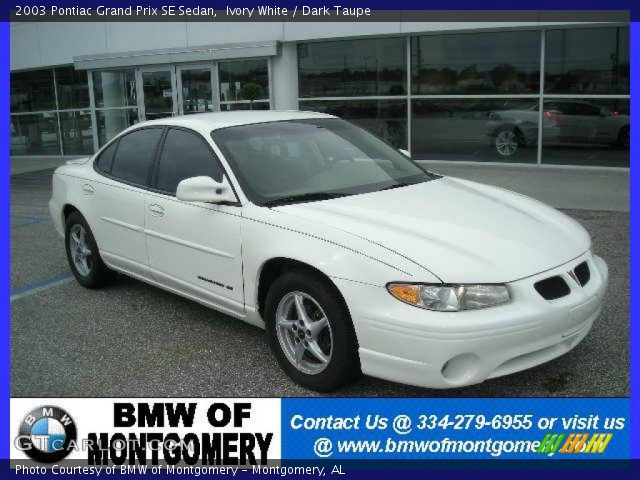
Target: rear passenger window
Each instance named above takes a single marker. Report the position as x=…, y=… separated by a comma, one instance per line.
x=185, y=155
x=105, y=160
x=135, y=155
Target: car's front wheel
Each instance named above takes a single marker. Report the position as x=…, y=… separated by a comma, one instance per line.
x=82, y=253
x=310, y=331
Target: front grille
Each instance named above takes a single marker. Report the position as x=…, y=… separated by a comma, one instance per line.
x=582, y=273
x=552, y=288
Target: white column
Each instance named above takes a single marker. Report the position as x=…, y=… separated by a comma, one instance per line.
x=112, y=93
x=285, y=77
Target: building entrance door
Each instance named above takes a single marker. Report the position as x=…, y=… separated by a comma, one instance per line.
x=170, y=90
x=159, y=96
x=195, y=85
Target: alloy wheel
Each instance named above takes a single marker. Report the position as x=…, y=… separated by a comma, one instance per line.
x=304, y=332
x=80, y=250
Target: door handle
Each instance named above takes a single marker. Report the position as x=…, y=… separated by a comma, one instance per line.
x=156, y=210
x=88, y=189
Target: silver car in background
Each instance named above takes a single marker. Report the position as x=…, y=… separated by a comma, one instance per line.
x=563, y=123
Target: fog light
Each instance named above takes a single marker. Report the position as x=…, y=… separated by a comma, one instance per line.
x=460, y=369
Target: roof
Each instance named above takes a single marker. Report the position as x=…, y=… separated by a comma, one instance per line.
x=216, y=120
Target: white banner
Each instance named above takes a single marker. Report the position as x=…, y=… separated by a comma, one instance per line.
x=123, y=431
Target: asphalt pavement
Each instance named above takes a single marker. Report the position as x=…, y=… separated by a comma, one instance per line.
x=134, y=340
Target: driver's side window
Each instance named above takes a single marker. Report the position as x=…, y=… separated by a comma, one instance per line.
x=184, y=155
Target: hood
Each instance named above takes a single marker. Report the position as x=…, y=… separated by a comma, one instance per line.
x=461, y=231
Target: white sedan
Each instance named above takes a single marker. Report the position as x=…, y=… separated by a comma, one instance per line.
x=353, y=257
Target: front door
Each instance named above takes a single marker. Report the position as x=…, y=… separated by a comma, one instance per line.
x=193, y=247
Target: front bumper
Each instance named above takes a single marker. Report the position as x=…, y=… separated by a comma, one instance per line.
x=419, y=347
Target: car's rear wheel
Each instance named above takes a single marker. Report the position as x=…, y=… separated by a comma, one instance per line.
x=507, y=142
x=82, y=253
x=310, y=331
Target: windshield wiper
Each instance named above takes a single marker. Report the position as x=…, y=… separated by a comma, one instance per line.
x=303, y=197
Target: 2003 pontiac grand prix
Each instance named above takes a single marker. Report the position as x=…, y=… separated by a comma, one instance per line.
x=353, y=257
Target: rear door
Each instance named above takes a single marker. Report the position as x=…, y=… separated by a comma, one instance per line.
x=194, y=247
x=126, y=168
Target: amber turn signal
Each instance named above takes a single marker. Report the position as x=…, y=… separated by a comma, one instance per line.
x=406, y=293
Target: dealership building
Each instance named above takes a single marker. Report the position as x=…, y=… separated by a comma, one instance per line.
x=538, y=93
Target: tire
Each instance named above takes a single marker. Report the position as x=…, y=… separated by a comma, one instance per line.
x=335, y=337
x=507, y=141
x=624, y=137
x=82, y=253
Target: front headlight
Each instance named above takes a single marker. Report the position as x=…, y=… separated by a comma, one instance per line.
x=449, y=298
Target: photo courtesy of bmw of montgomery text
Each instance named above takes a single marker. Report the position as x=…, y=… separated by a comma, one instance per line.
x=353, y=257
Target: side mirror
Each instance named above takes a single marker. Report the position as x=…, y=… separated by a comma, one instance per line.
x=205, y=189
x=404, y=152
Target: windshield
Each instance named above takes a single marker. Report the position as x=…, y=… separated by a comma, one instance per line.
x=312, y=159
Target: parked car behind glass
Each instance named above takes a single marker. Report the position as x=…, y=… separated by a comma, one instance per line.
x=564, y=122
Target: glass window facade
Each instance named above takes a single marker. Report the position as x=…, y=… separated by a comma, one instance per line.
x=491, y=84
x=77, y=133
x=228, y=107
x=591, y=132
x=63, y=111
x=72, y=88
x=53, y=112
x=32, y=91
x=558, y=95
x=244, y=85
x=493, y=130
x=35, y=134
x=364, y=74
x=475, y=63
x=243, y=80
x=349, y=68
x=63, y=123
x=387, y=119
x=587, y=61
x=586, y=130
x=477, y=96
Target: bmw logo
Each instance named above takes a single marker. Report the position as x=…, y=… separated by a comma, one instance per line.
x=47, y=434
